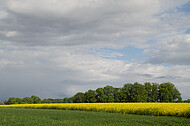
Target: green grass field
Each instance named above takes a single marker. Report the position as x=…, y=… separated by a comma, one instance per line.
x=46, y=117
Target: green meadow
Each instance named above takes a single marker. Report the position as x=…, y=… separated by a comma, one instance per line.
x=47, y=117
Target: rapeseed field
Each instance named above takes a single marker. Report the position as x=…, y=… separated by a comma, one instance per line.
x=158, y=109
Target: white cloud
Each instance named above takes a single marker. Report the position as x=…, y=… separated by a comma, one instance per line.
x=62, y=71
x=3, y=14
x=52, y=48
x=9, y=33
x=174, y=50
x=93, y=22
x=70, y=23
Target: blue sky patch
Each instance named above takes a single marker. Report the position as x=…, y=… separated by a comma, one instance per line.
x=126, y=54
x=185, y=8
x=188, y=31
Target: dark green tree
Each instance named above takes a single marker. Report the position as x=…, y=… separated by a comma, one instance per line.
x=187, y=101
x=18, y=101
x=116, y=94
x=90, y=96
x=138, y=93
x=70, y=100
x=109, y=93
x=148, y=88
x=154, y=92
x=58, y=100
x=176, y=95
x=100, y=96
x=168, y=93
x=126, y=92
x=36, y=99
x=45, y=101
x=27, y=100
x=122, y=95
x=50, y=100
x=66, y=100
x=11, y=100
x=79, y=98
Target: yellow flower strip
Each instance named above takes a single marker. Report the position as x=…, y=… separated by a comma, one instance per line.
x=165, y=109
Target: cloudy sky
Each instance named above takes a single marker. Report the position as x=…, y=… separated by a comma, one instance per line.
x=56, y=48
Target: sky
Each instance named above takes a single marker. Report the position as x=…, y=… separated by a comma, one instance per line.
x=56, y=48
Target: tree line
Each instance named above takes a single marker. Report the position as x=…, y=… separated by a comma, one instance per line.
x=147, y=92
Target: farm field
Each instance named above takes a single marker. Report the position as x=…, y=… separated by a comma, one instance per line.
x=157, y=109
x=49, y=117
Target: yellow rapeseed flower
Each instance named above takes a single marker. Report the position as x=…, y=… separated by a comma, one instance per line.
x=166, y=109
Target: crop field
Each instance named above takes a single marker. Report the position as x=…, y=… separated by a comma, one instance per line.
x=157, y=109
x=50, y=117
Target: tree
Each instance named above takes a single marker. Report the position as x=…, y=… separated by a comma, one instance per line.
x=36, y=99
x=18, y=101
x=70, y=100
x=66, y=100
x=51, y=100
x=176, y=95
x=100, y=96
x=90, y=96
x=27, y=100
x=79, y=98
x=46, y=101
x=126, y=92
x=11, y=100
x=122, y=95
x=148, y=88
x=2, y=103
x=109, y=93
x=58, y=100
x=116, y=94
x=168, y=93
x=188, y=101
x=154, y=92
x=138, y=93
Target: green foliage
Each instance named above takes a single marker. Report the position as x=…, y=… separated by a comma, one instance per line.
x=2, y=103
x=138, y=93
x=148, y=88
x=36, y=99
x=154, y=92
x=59, y=100
x=70, y=100
x=46, y=101
x=122, y=95
x=100, y=96
x=149, y=92
x=109, y=93
x=66, y=100
x=13, y=100
x=187, y=101
x=116, y=94
x=90, y=96
x=79, y=98
x=27, y=100
x=168, y=93
x=127, y=92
